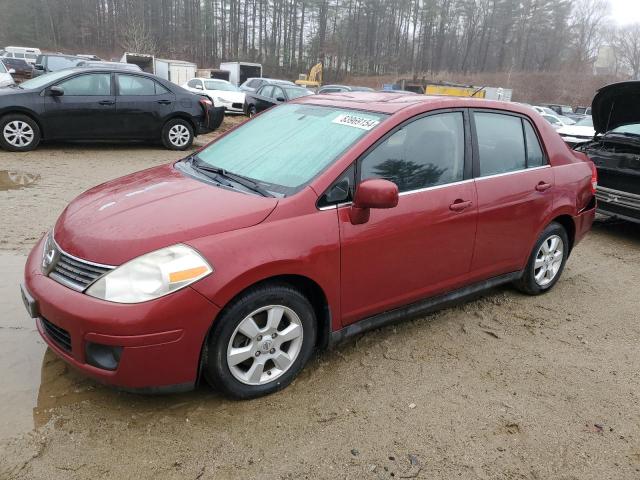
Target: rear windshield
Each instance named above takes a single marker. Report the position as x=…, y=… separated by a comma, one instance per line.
x=286, y=147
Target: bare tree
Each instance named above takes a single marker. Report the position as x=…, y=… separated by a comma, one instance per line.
x=627, y=47
x=135, y=37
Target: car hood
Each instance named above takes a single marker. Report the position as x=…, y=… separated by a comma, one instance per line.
x=234, y=97
x=127, y=217
x=615, y=105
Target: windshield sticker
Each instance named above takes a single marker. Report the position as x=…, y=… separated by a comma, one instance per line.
x=355, y=121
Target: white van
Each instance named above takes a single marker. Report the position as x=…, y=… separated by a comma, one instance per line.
x=26, y=53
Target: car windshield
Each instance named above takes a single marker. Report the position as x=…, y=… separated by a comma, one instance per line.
x=214, y=85
x=58, y=63
x=2, y=69
x=42, y=80
x=630, y=129
x=284, y=148
x=297, y=92
x=585, y=122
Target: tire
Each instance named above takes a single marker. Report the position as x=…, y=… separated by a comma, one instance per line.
x=251, y=111
x=546, y=262
x=177, y=134
x=253, y=345
x=19, y=133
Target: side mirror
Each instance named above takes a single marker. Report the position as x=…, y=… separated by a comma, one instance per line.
x=38, y=66
x=12, y=71
x=56, y=91
x=280, y=99
x=373, y=193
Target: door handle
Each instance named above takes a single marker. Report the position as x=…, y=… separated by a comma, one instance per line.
x=543, y=186
x=106, y=102
x=460, y=205
x=164, y=102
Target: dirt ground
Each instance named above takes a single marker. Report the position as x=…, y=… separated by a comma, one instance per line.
x=504, y=387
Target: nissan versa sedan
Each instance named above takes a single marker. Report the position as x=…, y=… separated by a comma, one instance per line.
x=314, y=221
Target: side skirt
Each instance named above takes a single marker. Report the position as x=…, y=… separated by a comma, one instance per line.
x=419, y=308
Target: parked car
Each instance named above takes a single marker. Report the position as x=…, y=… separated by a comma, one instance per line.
x=115, y=65
x=565, y=111
x=310, y=223
x=548, y=111
x=554, y=121
x=221, y=92
x=52, y=62
x=581, y=132
x=343, y=88
x=616, y=149
x=22, y=69
x=5, y=76
x=25, y=53
x=102, y=104
x=269, y=95
x=253, y=84
x=583, y=111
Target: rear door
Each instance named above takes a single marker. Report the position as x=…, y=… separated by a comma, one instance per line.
x=515, y=191
x=142, y=105
x=85, y=111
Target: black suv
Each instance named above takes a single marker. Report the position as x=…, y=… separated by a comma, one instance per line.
x=102, y=104
x=52, y=62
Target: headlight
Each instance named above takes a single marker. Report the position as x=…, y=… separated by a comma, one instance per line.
x=48, y=253
x=151, y=276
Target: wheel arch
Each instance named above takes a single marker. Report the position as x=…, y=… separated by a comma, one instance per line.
x=182, y=116
x=23, y=111
x=569, y=225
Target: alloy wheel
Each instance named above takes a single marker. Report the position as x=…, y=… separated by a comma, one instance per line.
x=18, y=134
x=264, y=345
x=548, y=260
x=179, y=135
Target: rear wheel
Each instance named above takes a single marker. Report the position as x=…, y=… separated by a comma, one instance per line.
x=252, y=111
x=546, y=262
x=260, y=342
x=19, y=133
x=177, y=134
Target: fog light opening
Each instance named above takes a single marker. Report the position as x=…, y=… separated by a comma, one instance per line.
x=106, y=357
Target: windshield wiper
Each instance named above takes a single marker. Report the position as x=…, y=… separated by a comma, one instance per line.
x=240, y=179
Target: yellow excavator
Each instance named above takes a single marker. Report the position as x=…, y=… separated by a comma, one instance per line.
x=314, y=79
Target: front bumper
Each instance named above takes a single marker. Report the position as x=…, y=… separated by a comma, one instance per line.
x=160, y=341
x=621, y=204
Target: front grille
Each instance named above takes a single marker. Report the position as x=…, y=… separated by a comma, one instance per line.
x=58, y=335
x=75, y=273
x=237, y=105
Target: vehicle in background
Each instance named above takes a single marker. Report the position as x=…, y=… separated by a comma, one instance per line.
x=403, y=92
x=553, y=120
x=253, y=84
x=318, y=220
x=26, y=53
x=176, y=71
x=240, y=72
x=616, y=149
x=270, y=95
x=115, y=65
x=313, y=80
x=564, y=111
x=547, y=111
x=581, y=132
x=53, y=62
x=222, y=93
x=343, y=88
x=102, y=104
x=89, y=56
x=582, y=110
x=23, y=69
x=6, y=79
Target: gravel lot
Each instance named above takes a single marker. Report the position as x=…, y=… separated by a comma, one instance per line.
x=505, y=387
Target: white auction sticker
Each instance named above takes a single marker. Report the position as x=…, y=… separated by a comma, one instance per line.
x=351, y=120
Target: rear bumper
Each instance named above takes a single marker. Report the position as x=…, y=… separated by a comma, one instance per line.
x=618, y=203
x=160, y=341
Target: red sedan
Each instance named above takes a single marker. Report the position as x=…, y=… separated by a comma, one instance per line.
x=312, y=222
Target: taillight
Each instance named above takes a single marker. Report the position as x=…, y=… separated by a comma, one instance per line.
x=594, y=178
x=206, y=103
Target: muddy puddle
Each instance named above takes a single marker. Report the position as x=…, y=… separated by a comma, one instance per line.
x=16, y=180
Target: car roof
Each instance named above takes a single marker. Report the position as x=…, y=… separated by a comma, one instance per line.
x=213, y=79
x=393, y=103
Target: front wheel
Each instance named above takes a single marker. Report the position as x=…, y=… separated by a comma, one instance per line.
x=546, y=262
x=19, y=133
x=260, y=342
x=252, y=111
x=177, y=134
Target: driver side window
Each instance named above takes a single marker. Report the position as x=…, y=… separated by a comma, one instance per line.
x=94, y=84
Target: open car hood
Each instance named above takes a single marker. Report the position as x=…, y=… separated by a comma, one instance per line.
x=615, y=105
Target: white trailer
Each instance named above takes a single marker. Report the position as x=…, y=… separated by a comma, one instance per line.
x=240, y=71
x=176, y=71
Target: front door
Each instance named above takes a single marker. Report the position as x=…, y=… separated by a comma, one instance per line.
x=85, y=111
x=423, y=246
x=515, y=192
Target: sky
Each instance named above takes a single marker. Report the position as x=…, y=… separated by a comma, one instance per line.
x=625, y=11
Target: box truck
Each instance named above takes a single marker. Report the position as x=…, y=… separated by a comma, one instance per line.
x=176, y=71
x=240, y=71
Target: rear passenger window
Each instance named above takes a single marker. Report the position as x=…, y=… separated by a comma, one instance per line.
x=424, y=153
x=500, y=143
x=134, y=85
x=535, y=157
